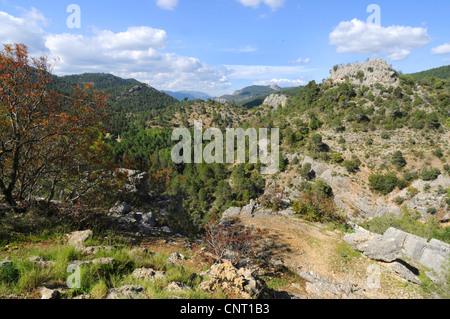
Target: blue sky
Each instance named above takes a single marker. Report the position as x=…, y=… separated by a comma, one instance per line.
x=218, y=46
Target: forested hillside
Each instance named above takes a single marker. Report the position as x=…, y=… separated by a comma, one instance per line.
x=442, y=72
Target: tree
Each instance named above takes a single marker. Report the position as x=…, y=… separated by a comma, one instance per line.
x=47, y=141
x=398, y=160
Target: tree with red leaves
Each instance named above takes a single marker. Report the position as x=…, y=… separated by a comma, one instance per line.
x=48, y=142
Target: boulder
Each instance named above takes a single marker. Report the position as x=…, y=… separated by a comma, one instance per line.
x=120, y=209
x=405, y=272
x=127, y=292
x=79, y=237
x=49, y=293
x=231, y=212
x=233, y=281
x=147, y=274
x=324, y=288
x=247, y=211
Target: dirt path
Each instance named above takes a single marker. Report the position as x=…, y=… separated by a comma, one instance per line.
x=305, y=246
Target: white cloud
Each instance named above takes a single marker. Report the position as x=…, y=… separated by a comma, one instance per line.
x=300, y=60
x=134, y=53
x=246, y=49
x=263, y=72
x=27, y=30
x=395, y=42
x=442, y=49
x=281, y=82
x=273, y=4
x=167, y=4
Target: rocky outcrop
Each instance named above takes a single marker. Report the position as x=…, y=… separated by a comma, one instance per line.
x=396, y=245
x=321, y=287
x=276, y=100
x=235, y=282
x=367, y=73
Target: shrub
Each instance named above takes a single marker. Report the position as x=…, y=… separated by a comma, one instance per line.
x=317, y=208
x=399, y=200
x=385, y=135
x=352, y=165
x=430, y=175
x=228, y=240
x=398, y=160
x=385, y=184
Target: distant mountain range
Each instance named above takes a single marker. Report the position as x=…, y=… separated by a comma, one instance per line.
x=190, y=95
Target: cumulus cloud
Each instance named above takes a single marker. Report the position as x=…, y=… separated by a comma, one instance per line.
x=442, y=49
x=273, y=4
x=395, y=42
x=245, y=49
x=137, y=52
x=26, y=29
x=300, y=60
x=281, y=82
x=264, y=72
x=167, y=4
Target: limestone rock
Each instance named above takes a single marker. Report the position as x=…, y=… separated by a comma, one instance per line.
x=231, y=212
x=276, y=100
x=79, y=237
x=127, y=292
x=233, y=281
x=367, y=73
x=49, y=293
x=148, y=274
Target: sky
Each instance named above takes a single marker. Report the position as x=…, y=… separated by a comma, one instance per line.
x=219, y=46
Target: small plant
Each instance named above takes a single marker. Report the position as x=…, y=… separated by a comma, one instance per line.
x=385, y=135
x=228, y=241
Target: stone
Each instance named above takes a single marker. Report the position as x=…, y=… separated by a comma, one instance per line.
x=233, y=281
x=137, y=182
x=414, y=246
x=383, y=249
x=79, y=237
x=49, y=293
x=147, y=274
x=120, y=209
x=127, y=292
x=404, y=272
x=323, y=288
x=101, y=261
x=276, y=100
x=41, y=262
x=231, y=212
x=177, y=287
x=433, y=260
x=374, y=71
x=247, y=211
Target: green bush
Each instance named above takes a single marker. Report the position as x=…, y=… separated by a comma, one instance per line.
x=385, y=184
x=398, y=160
x=430, y=175
x=352, y=165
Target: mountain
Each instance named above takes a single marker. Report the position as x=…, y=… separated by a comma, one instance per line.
x=442, y=72
x=131, y=103
x=191, y=95
x=248, y=93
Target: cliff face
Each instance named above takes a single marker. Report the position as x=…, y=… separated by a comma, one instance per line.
x=367, y=73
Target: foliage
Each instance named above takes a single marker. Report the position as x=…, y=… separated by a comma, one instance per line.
x=386, y=183
x=48, y=142
x=409, y=221
x=430, y=174
x=398, y=160
x=229, y=241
